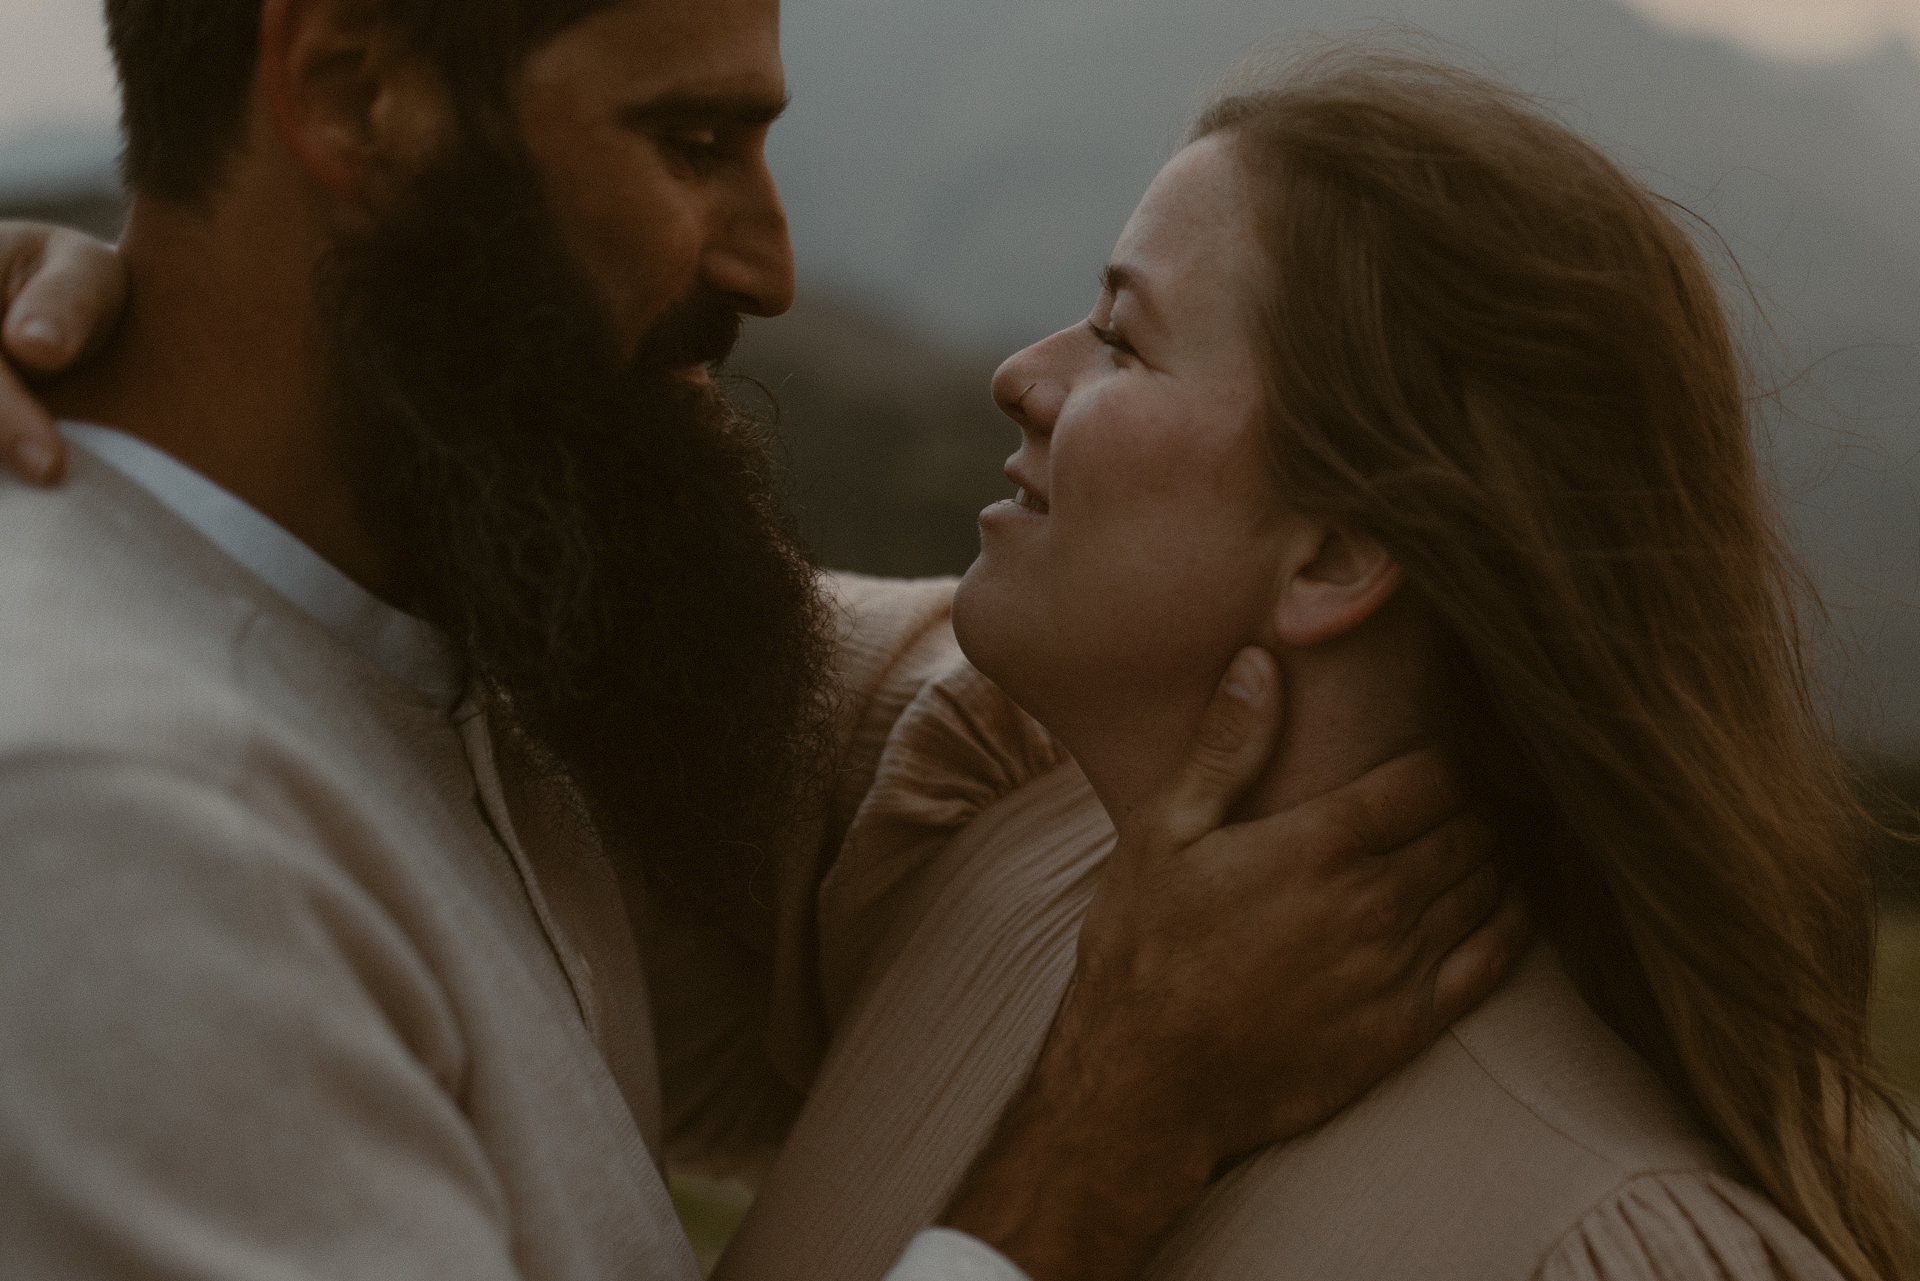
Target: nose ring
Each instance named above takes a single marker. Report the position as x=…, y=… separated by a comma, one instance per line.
x=1021, y=399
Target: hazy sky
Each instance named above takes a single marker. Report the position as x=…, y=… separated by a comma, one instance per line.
x=1798, y=29
x=55, y=76
x=53, y=63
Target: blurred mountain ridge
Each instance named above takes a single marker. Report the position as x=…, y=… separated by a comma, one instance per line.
x=977, y=161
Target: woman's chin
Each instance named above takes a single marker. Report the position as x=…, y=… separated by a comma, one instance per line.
x=998, y=629
x=966, y=606
x=987, y=620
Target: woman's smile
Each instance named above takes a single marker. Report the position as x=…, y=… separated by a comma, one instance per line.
x=1028, y=499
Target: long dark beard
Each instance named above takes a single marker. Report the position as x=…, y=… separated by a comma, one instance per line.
x=599, y=537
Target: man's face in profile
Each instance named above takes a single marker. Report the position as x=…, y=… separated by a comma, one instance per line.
x=518, y=349
x=648, y=121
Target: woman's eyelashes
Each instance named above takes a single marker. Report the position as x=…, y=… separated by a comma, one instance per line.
x=1112, y=338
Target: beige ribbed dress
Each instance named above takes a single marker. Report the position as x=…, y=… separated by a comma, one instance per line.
x=1528, y=1142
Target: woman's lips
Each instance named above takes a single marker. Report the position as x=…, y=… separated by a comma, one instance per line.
x=1031, y=501
x=1023, y=506
x=1027, y=503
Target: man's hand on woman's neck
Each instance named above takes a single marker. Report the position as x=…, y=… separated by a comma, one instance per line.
x=1227, y=993
x=1350, y=704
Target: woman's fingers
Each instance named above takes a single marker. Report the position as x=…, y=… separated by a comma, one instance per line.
x=64, y=292
x=64, y=296
x=29, y=444
x=1233, y=744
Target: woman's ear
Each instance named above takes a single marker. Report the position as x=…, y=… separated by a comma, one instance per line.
x=1341, y=579
x=344, y=97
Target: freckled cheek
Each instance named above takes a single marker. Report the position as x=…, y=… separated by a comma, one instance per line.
x=1157, y=522
x=1129, y=478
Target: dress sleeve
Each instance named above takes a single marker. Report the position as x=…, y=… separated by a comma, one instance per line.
x=956, y=748
x=1691, y=1226
x=733, y=972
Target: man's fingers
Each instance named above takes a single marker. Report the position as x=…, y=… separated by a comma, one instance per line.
x=1460, y=911
x=1233, y=744
x=29, y=445
x=1470, y=972
x=67, y=305
x=1391, y=805
x=1434, y=862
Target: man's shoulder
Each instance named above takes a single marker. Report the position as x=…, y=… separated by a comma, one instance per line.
x=118, y=627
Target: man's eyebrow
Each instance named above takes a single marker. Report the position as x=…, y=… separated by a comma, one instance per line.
x=724, y=108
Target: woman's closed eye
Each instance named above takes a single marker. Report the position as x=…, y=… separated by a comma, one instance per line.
x=1114, y=339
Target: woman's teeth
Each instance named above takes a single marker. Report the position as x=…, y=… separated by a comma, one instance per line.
x=1030, y=502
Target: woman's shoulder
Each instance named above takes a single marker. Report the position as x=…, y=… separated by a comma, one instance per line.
x=1553, y=1064
x=928, y=743
x=924, y=737
x=1529, y=1136
x=1685, y=1226
x=886, y=630
x=1675, y=1210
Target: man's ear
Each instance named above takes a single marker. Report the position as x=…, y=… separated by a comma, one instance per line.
x=344, y=97
x=1340, y=580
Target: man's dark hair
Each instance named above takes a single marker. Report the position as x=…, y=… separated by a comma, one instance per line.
x=187, y=70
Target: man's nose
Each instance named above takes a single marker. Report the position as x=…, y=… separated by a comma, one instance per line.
x=750, y=261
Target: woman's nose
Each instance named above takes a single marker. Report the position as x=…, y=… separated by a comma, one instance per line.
x=1024, y=393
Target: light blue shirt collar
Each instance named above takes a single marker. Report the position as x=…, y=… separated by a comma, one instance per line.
x=404, y=647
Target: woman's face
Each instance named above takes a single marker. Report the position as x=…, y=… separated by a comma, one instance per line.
x=1146, y=552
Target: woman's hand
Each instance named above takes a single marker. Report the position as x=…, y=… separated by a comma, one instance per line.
x=1237, y=986
x=63, y=293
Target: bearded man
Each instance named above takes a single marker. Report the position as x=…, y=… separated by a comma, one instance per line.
x=420, y=566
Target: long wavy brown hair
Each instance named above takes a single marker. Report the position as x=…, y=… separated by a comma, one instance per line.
x=1505, y=358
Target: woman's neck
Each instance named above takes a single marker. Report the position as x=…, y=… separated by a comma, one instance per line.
x=1345, y=715
x=1350, y=705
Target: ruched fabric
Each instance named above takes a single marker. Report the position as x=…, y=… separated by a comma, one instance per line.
x=1686, y=1227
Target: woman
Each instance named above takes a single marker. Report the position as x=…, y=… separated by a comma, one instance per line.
x=1412, y=387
